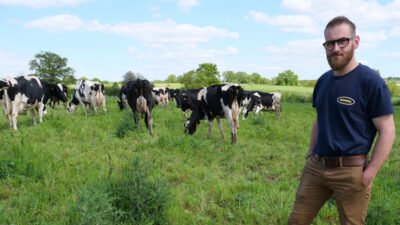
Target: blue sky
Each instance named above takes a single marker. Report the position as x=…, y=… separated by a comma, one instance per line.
x=156, y=38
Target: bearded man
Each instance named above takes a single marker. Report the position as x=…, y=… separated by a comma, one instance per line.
x=353, y=104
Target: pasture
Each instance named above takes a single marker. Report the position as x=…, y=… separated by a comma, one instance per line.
x=100, y=169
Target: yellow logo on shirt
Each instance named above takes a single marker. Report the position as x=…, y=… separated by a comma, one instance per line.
x=346, y=100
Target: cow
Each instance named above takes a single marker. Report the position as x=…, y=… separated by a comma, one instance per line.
x=172, y=93
x=100, y=98
x=269, y=102
x=140, y=100
x=250, y=101
x=122, y=102
x=54, y=100
x=89, y=94
x=160, y=95
x=217, y=101
x=27, y=93
x=186, y=100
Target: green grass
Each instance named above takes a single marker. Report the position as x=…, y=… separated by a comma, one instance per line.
x=74, y=169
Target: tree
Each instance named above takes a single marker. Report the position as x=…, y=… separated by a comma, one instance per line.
x=287, y=78
x=69, y=80
x=171, y=79
x=256, y=78
x=128, y=76
x=187, y=80
x=207, y=74
x=50, y=67
x=230, y=77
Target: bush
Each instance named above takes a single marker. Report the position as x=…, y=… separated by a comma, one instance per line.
x=141, y=199
x=127, y=124
x=93, y=206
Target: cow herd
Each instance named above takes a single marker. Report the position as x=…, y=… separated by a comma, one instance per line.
x=214, y=102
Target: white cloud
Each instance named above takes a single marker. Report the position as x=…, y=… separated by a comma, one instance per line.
x=371, y=39
x=56, y=23
x=297, y=5
x=304, y=57
x=183, y=54
x=390, y=55
x=42, y=3
x=155, y=34
x=288, y=23
x=395, y=31
x=13, y=64
x=187, y=5
x=365, y=13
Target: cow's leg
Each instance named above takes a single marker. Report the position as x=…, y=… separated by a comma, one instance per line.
x=13, y=116
x=135, y=118
x=232, y=117
x=14, y=120
x=104, y=104
x=219, y=123
x=209, y=129
x=33, y=111
x=40, y=111
x=149, y=122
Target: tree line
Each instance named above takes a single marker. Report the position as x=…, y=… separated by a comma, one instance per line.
x=53, y=68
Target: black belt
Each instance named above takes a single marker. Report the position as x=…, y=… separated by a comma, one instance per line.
x=342, y=161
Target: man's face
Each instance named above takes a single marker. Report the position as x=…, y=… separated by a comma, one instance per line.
x=343, y=46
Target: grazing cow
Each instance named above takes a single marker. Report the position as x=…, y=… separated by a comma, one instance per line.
x=269, y=102
x=89, y=94
x=122, y=102
x=186, y=100
x=54, y=100
x=27, y=93
x=217, y=101
x=250, y=101
x=160, y=95
x=140, y=99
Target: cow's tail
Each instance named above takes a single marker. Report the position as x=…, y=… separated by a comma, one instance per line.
x=235, y=112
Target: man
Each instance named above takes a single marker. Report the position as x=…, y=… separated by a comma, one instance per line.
x=353, y=104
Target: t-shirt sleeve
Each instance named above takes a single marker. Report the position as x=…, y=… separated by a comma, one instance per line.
x=379, y=99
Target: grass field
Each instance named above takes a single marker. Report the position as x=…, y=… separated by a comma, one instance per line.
x=100, y=169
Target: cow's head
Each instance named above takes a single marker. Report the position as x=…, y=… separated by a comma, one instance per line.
x=197, y=115
x=73, y=105
x=190, y=126
x=59, y=92
x=254, y=104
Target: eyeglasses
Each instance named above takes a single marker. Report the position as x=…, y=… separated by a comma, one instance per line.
x=341, y=42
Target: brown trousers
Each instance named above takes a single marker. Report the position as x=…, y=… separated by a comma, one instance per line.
x=318, y=183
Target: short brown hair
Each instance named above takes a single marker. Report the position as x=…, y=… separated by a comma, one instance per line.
x=340, y=20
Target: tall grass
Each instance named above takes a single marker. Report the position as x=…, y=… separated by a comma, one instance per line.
x=99, y=169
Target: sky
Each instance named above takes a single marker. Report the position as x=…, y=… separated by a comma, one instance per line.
x=104, y=39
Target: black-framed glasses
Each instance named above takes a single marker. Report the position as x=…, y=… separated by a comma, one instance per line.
x=341, y=42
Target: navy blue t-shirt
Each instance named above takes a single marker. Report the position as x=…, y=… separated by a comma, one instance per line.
x=345, y=108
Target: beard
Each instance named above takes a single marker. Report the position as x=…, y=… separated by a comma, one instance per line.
x=339, y=60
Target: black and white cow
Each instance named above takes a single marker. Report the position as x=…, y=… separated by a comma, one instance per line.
x=250, y=101
x=217, y=101
x=87, y=94
x=186, y=100
x=140, y=99
x=122, y=102
x=269, y=102
x=172, y=93
x=100, y=97
x=27, y=93
x=160, y=95
x=54, y=100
